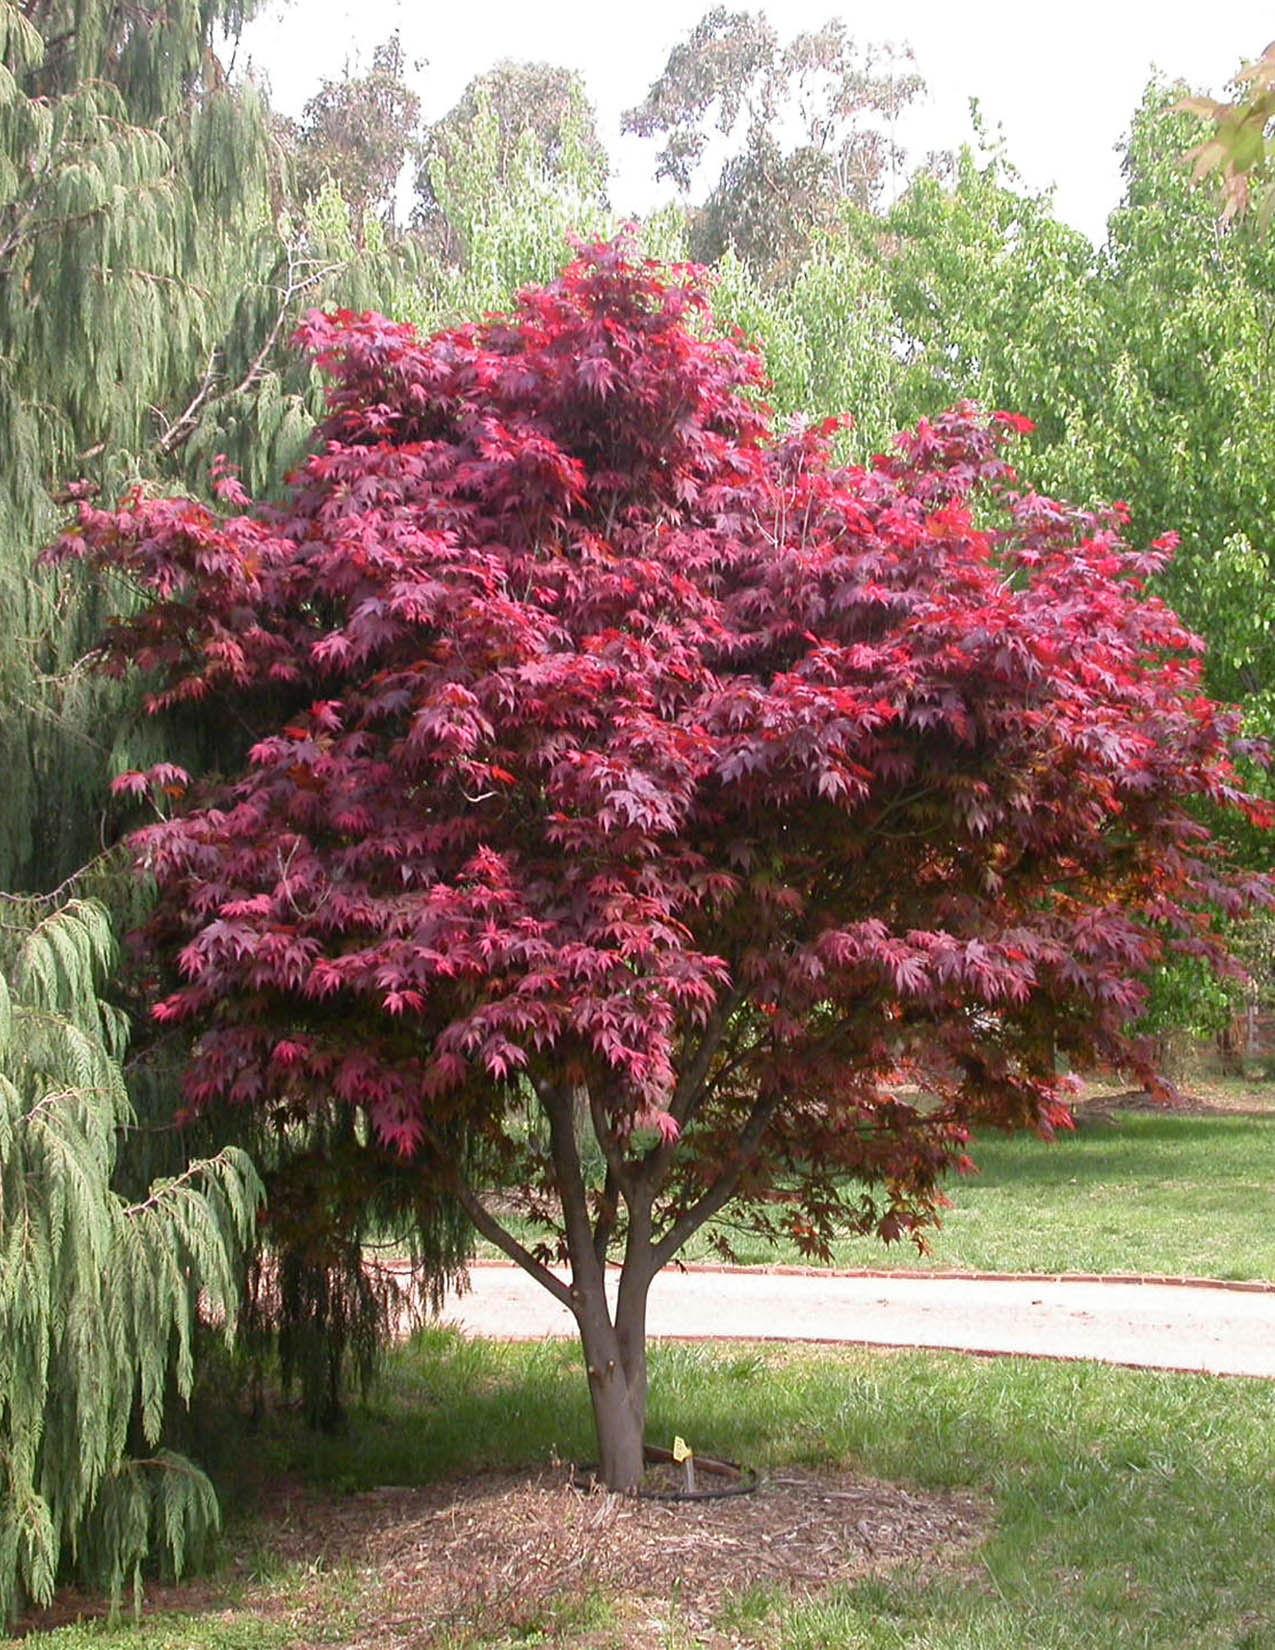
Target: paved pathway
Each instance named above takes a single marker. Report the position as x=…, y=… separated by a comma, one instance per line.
x=1155, y=1325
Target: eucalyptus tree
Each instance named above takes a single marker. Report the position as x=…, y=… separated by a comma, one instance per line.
x=359, y=131
x=733, y=74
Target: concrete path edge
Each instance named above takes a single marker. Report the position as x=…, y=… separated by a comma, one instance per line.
x=1252, y=1286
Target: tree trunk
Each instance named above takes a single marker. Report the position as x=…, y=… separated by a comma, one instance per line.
x=614, y=1351
x=616, y=1362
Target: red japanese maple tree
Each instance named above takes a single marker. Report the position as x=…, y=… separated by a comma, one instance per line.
x=651, y=802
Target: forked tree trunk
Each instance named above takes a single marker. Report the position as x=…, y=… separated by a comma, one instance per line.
x=615, y=1344
x=614, y=1349
x=615, y=1358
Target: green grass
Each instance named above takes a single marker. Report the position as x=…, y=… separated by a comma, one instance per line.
x=172, y=1632
x=1137, y=1193
x=1133, y=1510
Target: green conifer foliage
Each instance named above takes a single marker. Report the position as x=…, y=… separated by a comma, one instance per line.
x=129, y=171
x=98, y=1295
x=152, y=270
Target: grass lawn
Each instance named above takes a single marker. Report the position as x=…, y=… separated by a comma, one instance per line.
x=1120, y=1508
x=1134, y=1192
x=1125, y=1193
x=1124, y=1509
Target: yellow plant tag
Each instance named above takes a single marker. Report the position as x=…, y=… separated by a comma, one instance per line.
x=681, y=1450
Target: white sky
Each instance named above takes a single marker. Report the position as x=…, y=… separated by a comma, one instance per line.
x=1061, y=79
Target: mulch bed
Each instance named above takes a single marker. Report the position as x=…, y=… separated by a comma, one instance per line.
x=1138, y=1100
x=491, y=1554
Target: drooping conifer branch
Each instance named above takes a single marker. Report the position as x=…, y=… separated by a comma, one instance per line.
x=98, y=1296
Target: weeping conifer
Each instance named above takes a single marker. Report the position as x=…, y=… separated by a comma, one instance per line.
x=128, y=171
x=152, y=270
x=98, y=1294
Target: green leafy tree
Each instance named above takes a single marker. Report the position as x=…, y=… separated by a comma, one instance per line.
x=828, y=335
x=98, y=1294
x=513, y=174
x=1146, y=368
x=1188, y=437
x=1147, y=371
x=991, y=297
x=527, y=130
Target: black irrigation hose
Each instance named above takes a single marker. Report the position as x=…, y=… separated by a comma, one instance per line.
x=746, y=1479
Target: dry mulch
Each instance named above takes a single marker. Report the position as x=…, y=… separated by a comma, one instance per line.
x=492, y=1553
x=1180, y=1105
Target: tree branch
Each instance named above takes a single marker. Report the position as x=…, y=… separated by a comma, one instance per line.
x=557, y=1103
x=693, y=1076
x=723, y=1188
x=687, y=1097
x=55, y=896
x=179, y=432
x=509, y=1245
x=604, y=1225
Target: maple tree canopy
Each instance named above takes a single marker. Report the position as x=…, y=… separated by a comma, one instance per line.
x=607, y=747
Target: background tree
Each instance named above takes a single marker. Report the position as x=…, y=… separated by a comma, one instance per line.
x=1186, y=433
x=732, y=72
x=625, y=773
x=359, y=132
x=828, y=335
x=1144, y=368
x=520, y=127
x=508, y=198
x=991, y=297
x=98, y=1294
